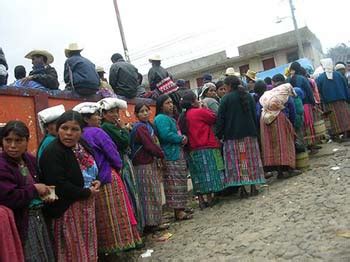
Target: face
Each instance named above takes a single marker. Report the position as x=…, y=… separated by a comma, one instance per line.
x=196, y=103
x=168, y=107
x=211, y=92
x=251, y=84
x=69, y=133
x=14, y=145
x=37, y=60
x=143, y=114
x=342, y=71
x=94, y=120
x=111, y=116
x=51, y=129
x=221, y=91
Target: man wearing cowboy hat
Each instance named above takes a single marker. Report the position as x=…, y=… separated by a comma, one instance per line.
x=80, y=73
x=251, y=79
x=42, y=73
x=123, y=77
x=157, y=73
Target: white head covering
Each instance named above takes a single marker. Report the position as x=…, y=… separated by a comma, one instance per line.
x=327, y=65
x=112, y=102
x=206, y=87
x=3, y=71
x=48, y=115
x=87, y=108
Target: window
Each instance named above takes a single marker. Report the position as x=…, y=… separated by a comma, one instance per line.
x=243, y=69
x=292, y=56
x=199, y=82
x=269, y=63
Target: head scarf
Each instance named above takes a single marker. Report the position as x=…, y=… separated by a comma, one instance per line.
x=327, y=65
x=49, y=115
x=86, y=108
x=112, y=102
x=273, y=101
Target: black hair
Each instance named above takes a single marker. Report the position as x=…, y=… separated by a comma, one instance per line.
x=235, y=83
x=139, y=78
x=219, y=84
x=268, y=80
x=186, y=103
x=139, y=105
x=20, y=72
x=260, y=87
x=18, y=127
x=86, y=115
x=159, y=103
x=115, y=57
x=278, y=78
x=70, y=115
x=298, y=71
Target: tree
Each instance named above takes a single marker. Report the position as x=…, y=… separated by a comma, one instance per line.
x=339, y=53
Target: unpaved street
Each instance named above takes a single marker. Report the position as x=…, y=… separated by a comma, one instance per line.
x=303, y=218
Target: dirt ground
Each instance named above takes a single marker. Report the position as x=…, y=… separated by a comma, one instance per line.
x=303, y=218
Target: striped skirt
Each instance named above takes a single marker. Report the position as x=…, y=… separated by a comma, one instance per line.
x=339, y=117
x=175, y=183
x=115, y=221
x=277, y=140
x=243, y=164
x=37, y=246
x=10, y=241
x=148, y=182
x=309, y=130
x=129, y=180
x=75, y=233
x=207, y=171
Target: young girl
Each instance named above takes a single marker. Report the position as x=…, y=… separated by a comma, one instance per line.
x=115, y=220
x=204, y=158
x=144, y=150
x=115, y=128
x=175, y=173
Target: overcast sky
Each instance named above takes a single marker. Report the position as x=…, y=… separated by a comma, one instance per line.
x=178, y=30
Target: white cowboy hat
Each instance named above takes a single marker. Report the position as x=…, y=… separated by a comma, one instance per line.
x=45, y=53
x=230, y=71
x=100, y=69
x=155, y=58
x=72, y=47
x=49, y=115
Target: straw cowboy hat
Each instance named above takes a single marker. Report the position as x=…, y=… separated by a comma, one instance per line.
x=45, y=53
x=230, y=71
x=251, y=75
x=100, y=69
x=155, y=58
x=72, y=47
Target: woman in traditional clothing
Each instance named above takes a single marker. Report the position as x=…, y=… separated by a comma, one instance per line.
x=237, y=126
x=276, y=128
x=334, y=96
x=117, y=131
x=47, y=122
x=209, y=97
x=145, y=150
x=115, y=220
x=175, y=171
x=204, y=155
x=220, y=89
x=20, y=191
x=298, y=80
x=68, y=163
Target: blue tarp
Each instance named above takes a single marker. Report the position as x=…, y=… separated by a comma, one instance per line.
x=304, y=62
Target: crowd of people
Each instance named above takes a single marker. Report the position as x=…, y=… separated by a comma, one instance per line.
x=95, y=186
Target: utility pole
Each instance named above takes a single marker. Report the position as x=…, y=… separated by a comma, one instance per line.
x=296, y=29
x=120, y=25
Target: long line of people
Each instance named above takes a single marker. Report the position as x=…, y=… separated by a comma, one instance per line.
x=95, y=186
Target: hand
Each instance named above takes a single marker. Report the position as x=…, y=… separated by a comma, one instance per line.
x=93, y=190
x=184, y=140
x=42, y=189
x=26, y=79
x=96, y=184
x=120, y=123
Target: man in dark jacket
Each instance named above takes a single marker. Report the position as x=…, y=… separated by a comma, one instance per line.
x=80, y=73
x=157, y=73
x=123, y=77
x=42, y=73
